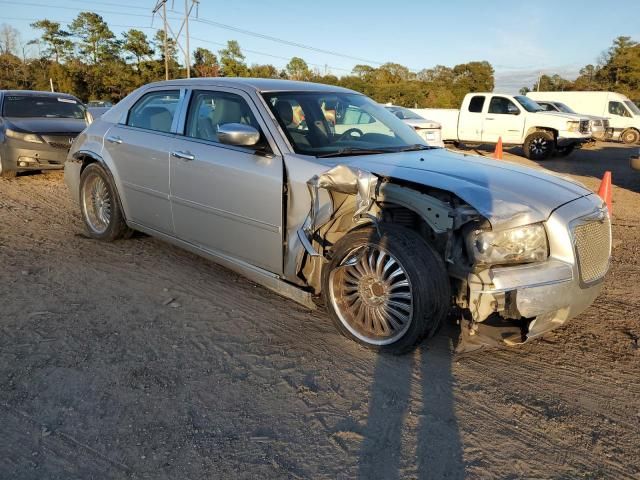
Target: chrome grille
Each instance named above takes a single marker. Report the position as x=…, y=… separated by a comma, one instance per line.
x=593, y=248
x=584, y=126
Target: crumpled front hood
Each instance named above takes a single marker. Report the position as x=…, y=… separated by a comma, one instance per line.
x=506, y=194
x=47, y=125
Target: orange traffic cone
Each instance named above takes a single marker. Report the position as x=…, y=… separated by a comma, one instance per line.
x=604, y=192
x=498, y=152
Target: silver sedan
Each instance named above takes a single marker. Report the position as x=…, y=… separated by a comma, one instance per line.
x=324, y=196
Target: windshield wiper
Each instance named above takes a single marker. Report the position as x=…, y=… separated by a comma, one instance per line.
x=415, y=147
x=345, y=152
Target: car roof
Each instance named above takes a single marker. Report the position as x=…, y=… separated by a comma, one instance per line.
x=43, y=93
x=256, y=84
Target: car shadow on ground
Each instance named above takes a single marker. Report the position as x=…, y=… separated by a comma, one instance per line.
x=589, y=161
x=413, y=395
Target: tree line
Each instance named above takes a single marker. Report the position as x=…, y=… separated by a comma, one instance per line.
x=87, y=59
x=617, y=70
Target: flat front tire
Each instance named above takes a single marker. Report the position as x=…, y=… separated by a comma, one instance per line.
x=100, y=205
x=538, y=145
x=386, y=291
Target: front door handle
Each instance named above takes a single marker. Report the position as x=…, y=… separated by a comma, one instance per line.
x=489, y=118
x=183, y=155
x=114, y=139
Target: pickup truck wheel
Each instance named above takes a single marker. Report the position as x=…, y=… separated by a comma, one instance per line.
x=565, y=151
x=386, y=292
x=100, y=205
x=630, y=136
x=538, y=146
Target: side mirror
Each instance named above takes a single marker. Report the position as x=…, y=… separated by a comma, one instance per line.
x=238, y=134
x=399, y=115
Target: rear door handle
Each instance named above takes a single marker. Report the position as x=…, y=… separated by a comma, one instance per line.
x=114, y=139
x=183, y=155
x=490, y=118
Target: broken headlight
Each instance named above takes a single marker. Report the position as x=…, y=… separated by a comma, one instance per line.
x=516, y=245
x=24, y=136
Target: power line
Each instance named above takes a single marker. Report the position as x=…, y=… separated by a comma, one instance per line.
x=210, y=23
x=210, y=42
x=283, y=41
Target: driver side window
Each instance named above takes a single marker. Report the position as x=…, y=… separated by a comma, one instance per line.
x=209, y=109
x=617, y=108
x=503, y=106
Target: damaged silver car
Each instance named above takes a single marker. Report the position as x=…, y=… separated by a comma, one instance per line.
x=321, y=194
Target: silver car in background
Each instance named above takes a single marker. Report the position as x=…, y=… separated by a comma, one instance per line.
x=429, y=130
x=326, y=197
x=599, y=126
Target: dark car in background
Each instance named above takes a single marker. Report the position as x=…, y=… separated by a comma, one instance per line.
x=37, y=129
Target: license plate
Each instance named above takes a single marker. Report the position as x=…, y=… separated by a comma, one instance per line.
x=431, y=136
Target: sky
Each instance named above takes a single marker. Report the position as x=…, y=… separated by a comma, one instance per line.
x=520, y=39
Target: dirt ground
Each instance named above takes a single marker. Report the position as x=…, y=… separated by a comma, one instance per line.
x=138, y=360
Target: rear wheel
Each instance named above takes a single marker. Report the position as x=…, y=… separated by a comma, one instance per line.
x=386, y=292
x=100, y=205
x=630, y=136
x=538, y=145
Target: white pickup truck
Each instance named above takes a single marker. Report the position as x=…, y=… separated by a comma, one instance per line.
x=518, y=120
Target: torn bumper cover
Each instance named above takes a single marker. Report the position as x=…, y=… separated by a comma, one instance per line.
x=340, y=179
x=543, y=296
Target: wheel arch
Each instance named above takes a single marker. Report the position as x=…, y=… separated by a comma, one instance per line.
x=87, y=157
x=436, y=220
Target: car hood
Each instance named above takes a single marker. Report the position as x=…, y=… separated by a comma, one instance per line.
x=506, y=194
x=47, y=125
x=566, y=116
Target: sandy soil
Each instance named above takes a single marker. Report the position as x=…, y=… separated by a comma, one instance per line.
x=138, y=360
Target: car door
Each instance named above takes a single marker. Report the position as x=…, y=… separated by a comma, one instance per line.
x=619, y=116
x=139, y=147
x=503, y=119
x=227, y=199
x=471, y=119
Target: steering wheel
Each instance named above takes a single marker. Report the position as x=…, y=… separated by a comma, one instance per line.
x=349, y=133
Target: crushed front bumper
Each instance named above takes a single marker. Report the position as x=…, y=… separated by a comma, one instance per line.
x=543, y=296
x=22, y=156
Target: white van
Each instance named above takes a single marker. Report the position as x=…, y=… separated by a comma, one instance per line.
x=623, y=114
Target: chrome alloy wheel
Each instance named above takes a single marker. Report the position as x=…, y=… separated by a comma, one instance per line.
x=96, y=203
x=372, y=295
x=539, y=146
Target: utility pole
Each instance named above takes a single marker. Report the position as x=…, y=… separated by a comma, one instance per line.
x=188, y=8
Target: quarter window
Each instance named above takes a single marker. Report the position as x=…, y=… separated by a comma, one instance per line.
x=476, y=104
x=209, y=109
x=155, y=111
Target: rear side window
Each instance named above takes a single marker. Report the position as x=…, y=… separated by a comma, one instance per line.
x=209, y=109
x=155, y=111
x=476, y=104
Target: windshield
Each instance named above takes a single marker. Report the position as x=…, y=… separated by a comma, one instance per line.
x=404, y=113
x=632, y=106
x=528, y=104
x=564, y=108
x=44, y=106
x=331, y=124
